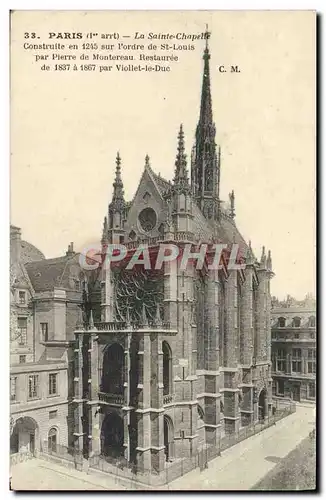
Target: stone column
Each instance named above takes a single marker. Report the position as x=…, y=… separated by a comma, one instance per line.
x=231, y=380
x=107, y=293
x=170, y=293
x=247, y=318
x=247, y=346
x=157, y=411
x=94, y=386
x=261, y=317
x=78, y=393
x=213, y=334
x=144, y=401
x=126, y=408
x=231, y=311
x=212, y=375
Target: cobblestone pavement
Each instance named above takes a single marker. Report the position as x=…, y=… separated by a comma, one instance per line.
x=239, y=468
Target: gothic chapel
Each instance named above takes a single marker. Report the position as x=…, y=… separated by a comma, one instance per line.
x=176, y=358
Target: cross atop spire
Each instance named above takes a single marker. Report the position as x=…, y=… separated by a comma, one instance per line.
x=207, y=35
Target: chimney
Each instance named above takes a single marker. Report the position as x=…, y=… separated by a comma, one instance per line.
x=70, y=252
x=15, y=244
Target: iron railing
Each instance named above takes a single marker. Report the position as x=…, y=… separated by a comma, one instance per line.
x=123, y=325
x=125, y=470
x=168, y=398
x=106, y=397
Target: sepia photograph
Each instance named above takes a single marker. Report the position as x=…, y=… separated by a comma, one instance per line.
x=163, y=250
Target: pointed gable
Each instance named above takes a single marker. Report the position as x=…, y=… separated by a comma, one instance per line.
x=147, y=204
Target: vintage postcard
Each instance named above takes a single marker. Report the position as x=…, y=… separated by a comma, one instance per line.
x=162, y=250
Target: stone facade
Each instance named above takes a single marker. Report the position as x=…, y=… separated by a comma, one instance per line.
x=181, y=356
x=43, y=308
x=294, y=353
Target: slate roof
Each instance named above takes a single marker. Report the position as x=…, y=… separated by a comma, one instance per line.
x=50, y=273
x=161, y=183
x=227, y=231
x=201, y=227
x=30, y=253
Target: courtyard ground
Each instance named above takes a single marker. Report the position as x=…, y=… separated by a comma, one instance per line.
x=245, y=464
x=41, y=475
x=242, y=467
x=296, y=472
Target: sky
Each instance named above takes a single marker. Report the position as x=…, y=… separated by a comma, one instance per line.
x=66, y=128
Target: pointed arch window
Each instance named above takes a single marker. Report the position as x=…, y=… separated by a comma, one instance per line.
x=113, y=370
x=167, y=369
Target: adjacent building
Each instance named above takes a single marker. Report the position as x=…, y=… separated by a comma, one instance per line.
x=44, y=298
x=294, y=349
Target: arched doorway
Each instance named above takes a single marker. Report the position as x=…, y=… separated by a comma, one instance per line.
x=113, y=370
x=24, y=435
x=52, y=440
x=112, y=436
x=168, y=438
x=167, y=368
x=262, y=413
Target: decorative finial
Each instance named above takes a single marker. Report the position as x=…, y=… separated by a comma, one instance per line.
x=80, y=322
x=232, y=211
x=147, y=164
x=105, y=230
x=118, y=201
x=127, y=316
x=250, y=254
x=263, y=258
x=91, y=320
x=269, y=261
x=181, y=172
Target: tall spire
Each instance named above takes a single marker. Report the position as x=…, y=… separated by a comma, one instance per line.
x=118, y=200
x=181, y=172
x=117, y=207
x=205, y=164
x=206, y=114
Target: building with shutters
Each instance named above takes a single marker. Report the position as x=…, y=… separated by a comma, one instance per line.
x=294, y=349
